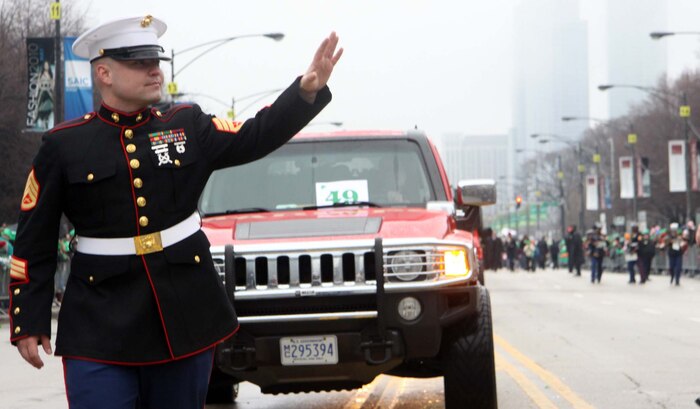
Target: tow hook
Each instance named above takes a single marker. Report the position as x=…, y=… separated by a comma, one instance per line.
x=239, y=357
x=377, y=345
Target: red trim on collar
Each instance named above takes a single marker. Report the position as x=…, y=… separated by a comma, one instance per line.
x=141, y=111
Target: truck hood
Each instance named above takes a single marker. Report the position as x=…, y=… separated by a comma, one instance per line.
x=333, y=224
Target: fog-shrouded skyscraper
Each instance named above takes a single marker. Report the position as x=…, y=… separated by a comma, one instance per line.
x=632, y=57
x=550, y=71
x=479, y=157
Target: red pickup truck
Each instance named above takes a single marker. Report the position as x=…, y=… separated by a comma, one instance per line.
x=348, y=255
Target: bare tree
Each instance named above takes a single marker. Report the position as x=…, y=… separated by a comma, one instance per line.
x=20, y=19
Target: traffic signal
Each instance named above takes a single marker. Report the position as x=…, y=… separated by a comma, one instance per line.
x=518, y=201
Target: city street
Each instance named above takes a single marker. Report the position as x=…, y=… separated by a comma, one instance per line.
x=561, y=342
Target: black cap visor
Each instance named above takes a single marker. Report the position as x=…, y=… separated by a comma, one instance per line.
x=140, y=52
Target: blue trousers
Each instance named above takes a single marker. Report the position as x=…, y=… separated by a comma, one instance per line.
x=630, y=269
x=675, y=265
x=178, y=384
x=596, y=269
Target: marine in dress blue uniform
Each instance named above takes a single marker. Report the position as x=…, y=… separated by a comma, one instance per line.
x=143, y=293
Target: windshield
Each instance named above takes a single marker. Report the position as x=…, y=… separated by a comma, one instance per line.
x=323, y=173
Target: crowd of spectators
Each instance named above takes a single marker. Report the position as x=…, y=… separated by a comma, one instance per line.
x=632, y=251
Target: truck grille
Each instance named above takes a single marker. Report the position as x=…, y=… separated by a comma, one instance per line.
x=333, y=265
x=297, y=270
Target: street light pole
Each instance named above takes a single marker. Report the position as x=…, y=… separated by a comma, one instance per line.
x=684, y=112
x=214, y=44
x=632, y=142
x=581, y=170
x=560, y=175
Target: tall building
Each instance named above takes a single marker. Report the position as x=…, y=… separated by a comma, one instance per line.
x=632, y=57
x=479, y=157
x=550, y=71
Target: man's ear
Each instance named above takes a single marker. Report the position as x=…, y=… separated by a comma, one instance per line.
x=103, y=73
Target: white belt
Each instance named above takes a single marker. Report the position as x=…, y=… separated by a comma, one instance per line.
x=139, y=245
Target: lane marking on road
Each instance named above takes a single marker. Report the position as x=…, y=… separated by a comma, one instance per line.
x=559, y=387
x=529, y=387
x=578, y=295
x=396, y=391
x=369, y=395
x=694, y=319
x=651, y=311
x=608, y=302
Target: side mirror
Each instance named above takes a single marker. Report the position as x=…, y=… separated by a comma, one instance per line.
x=477, y=192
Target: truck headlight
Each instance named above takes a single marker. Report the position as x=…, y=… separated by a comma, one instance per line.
x=456, y=263
x=406, y=265
x=409, y=308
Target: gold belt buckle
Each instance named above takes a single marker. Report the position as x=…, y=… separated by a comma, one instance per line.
x=148, y=243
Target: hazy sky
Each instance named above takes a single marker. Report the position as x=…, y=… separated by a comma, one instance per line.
x=442, y=65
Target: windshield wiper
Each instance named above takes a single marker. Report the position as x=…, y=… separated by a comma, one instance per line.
x=342, y=204
x=238, y=211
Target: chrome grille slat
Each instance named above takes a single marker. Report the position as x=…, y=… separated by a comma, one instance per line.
x=250, y=273
x=359, y=268
x=316, y=271
x=272, y=279
x=294, y=270
x=338, y=268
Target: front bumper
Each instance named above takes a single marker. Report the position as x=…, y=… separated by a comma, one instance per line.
x=372, y=337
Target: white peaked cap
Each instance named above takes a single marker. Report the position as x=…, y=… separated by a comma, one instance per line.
x=133, y=38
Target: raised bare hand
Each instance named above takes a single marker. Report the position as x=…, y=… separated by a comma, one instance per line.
x=316, y=76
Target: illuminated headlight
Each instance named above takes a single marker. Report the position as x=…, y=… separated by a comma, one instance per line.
x=409, y=308
x=406, y=265
x=456, y=263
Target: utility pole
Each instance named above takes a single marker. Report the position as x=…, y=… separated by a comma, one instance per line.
x=581, y=170
x=632, y=142
x=685, y=114
x=562, y=215
x=55, y=14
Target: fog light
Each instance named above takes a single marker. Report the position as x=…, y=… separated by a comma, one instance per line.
x=409, y=308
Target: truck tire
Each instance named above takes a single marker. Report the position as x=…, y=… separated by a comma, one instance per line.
x=222, y=393
x=468, y=362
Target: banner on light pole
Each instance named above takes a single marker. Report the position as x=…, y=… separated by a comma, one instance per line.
x=41, y=72
x=643, y=177
x=626, y=178
x=676, y=166
x=78, y=85
x=592, y=198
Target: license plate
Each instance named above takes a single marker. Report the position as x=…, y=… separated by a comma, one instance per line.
x=311, y=350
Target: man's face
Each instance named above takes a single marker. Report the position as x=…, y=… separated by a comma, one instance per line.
x=137, y=83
